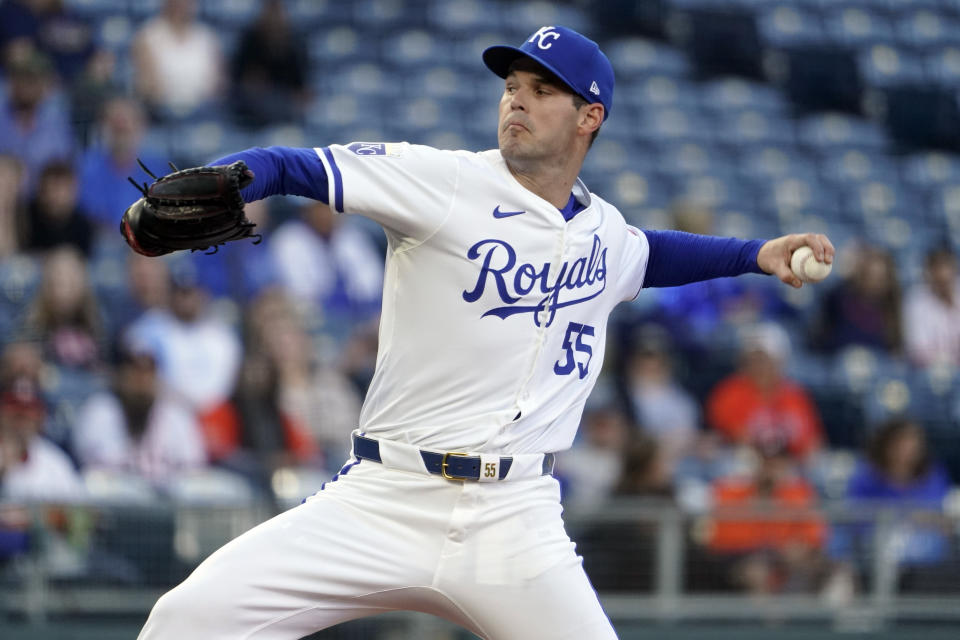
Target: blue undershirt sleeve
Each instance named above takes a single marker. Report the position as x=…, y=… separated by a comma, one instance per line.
x=678, y=258
x=282, y=171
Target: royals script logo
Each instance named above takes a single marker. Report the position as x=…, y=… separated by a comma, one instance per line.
x=573, y=283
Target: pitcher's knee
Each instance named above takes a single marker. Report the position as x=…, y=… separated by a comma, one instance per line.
x=185, y=612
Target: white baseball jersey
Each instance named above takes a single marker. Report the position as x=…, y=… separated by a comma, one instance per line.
x=494, y=306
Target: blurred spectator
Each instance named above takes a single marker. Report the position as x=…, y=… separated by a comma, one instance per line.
x=31, y=467
x=33, y=126
x=270, y=70
x=137, y=427
x=758, y=399
x=622, y=556
x=64, y=315
x=592, y=466
x=54, y=218
x=899, y=472
x=92, y=89
x=314, y=395
x=104, y=167
x=239, y=270
x=50, y=27
x=198, y=355
x=328, y=262
x=864, y=308
x=178, y=63
x=932, y=312
x=664, y=409
x=694, y=313
x=765, y=527
x=11, y=204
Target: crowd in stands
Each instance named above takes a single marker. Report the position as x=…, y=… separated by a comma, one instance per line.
x=256, y=358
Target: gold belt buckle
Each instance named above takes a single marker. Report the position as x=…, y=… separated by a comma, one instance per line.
x=444, y=464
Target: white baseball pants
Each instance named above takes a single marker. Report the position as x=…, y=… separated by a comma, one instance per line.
x=493, y=558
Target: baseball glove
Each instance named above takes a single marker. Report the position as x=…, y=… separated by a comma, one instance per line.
x=194, y=209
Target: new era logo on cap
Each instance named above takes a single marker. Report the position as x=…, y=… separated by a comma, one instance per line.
x=575, y=59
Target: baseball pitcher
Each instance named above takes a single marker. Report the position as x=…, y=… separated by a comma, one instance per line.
x=501, y=271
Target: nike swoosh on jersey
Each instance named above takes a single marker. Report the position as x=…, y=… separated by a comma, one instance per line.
x=505, y=214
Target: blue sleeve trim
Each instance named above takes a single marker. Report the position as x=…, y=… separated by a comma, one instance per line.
x=282, y=171
x=337, y=180
x=678, y=258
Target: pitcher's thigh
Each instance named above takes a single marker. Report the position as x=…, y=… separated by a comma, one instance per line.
x=299, y=572
x=559, y=604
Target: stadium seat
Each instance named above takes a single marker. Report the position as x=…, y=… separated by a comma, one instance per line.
x=857, y=25
x=330, y=48
x=922, y=28
x=942, y=66
x=461, y=16
x=230, y=13
x=928, y=168
x=633, y=57
x=854, y=165
x=733, y=93
x=97, y=8
x=831, y=131
x=788, y=24
x=412, y=49
x=882, y=65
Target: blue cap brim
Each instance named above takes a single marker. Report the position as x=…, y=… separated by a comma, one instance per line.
x=498, y=59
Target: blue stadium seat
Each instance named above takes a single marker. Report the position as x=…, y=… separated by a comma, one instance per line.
x=365, y=80
x=387, y=14
x=662, y=125
x=438, y=81
x=857, y=25
x=143, y=9
x=337, y=45
x=97, y=8
x=854, y=165
x=692, y=158
x=632, y=57
x=657, y=90
x=832, y=131
x=19, y=281
x=874, y=199
x=924, y=28
x=307, y=15
x=943, y=66
x=731, y=93
x=345, y=110
x=115, y=32
x=528, y=15
x=461, y=16
x=883, y=65
x=795, y=196
x=764, y=162
x=233, y=13
x=413, y=49
x=788, y=24
x=750, y=127
x=930, y=168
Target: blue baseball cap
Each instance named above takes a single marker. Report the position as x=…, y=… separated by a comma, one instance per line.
x=575, y=59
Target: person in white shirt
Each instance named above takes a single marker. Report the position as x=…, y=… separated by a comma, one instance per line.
x=178, y=63
x=138, y=428
x=32, y=468
x=932, y=312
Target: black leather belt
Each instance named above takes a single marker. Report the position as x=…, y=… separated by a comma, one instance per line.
x=452, y=465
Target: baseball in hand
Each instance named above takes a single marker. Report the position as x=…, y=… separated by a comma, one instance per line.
x=806, y=266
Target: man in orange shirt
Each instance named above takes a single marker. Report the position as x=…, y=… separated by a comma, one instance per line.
x=767, y=522
x=758, y=400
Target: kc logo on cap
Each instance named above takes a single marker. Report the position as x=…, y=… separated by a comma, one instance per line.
x=574, y=58
x=542, y=37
